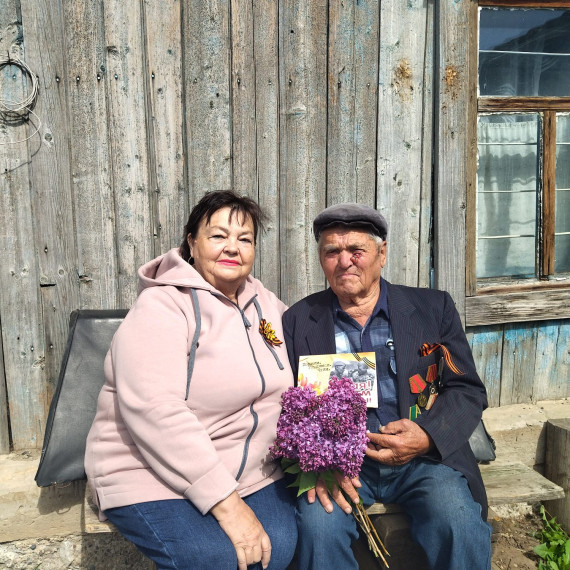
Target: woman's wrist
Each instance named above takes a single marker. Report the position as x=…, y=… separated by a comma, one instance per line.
x=226, y=506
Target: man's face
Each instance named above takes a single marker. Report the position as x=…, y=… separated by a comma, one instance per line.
x=352, y=262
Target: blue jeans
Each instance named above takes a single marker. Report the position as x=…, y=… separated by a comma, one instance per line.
x=445, y=520
x=177, y=536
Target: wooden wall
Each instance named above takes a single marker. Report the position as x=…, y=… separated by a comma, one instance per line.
x=523, y=362
x=145, y=105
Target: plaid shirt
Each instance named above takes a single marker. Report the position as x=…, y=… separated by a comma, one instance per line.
x=372, y=337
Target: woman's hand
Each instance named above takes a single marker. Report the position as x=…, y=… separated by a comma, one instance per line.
x=343, y=483
x=249, y=538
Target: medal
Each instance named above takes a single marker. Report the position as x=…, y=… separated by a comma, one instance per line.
x=431, y=373
x=432, y=396
x=414, y=412
x=422, y=400
x=417, y=384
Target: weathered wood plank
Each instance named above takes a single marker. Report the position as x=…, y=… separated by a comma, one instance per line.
x=266, y=53
x=523, y=103
x=518, y=361
x=383, y=509
x=504, y=483
x=547, y=384
x=129, y=144
x=243, y=89
x=9, y=32
x=527, y=3
x=50, y=179
x=21, y=319
x=471, y=150
x=163, y=26
x=364, y=132
x=4, y=428
x=521, y=286
x=517, y=307
x=244, y=108
x=206, y=64
x=302, y=62
x=93, y=203
x=352, y=101
x=452, y=96
x=403, y=54
x=517, y=483
x=561, y=374
x=341, y=159
x=487, y=347
x=425, y=274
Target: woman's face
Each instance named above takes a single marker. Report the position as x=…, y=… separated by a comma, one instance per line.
x=223, y=251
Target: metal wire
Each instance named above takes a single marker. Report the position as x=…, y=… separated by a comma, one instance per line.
x=20, y=109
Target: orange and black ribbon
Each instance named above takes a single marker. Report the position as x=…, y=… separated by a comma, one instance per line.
x=429, y=348
x=268, y=333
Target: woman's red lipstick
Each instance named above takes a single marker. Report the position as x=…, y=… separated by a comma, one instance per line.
x=228, y=262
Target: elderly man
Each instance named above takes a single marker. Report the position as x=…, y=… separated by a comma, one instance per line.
x=430, y=401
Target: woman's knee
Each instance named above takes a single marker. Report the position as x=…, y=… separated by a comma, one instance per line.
x=312, y=516
x=283, y=539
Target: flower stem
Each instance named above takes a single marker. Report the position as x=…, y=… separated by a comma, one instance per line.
x=374, y=542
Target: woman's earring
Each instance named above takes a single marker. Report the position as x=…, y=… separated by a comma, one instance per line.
x=191, y=260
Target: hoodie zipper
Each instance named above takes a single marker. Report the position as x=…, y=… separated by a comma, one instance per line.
x=247, y=326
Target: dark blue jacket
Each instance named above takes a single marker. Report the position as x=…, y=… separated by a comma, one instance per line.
x=417, y=316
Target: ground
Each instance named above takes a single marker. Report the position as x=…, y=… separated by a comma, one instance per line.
x=514, y=542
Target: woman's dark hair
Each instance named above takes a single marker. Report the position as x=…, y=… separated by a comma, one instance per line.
x=210, y=203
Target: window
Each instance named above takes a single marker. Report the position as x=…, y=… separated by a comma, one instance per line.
x=521, y=198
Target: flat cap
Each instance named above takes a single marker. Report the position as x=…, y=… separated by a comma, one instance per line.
x=351, y=214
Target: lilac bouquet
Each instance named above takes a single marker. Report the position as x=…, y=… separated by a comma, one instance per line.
x=322, y=432
x=318, y=433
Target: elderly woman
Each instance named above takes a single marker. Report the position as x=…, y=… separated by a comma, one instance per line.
x=177, y=457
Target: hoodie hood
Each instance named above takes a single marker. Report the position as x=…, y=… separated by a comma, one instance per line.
x=171, y=269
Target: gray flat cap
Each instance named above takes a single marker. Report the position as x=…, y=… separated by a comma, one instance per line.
x=350, y=214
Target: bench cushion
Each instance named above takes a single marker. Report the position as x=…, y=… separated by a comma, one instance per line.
x=74, y=402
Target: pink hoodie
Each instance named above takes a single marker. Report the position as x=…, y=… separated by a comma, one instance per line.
x=147, y=441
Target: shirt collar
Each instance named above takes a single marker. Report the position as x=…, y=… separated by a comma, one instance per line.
x=381, y=304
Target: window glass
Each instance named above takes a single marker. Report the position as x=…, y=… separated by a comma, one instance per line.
x=507, y=185
x=524, y=52
x=562, y=220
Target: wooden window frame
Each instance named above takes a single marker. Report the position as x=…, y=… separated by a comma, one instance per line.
x=502, y=300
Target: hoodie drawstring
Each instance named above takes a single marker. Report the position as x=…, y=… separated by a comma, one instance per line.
x=272, y=350
x=194, y=346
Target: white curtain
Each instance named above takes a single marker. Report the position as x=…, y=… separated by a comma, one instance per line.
x=562, y=238
x=507, y=184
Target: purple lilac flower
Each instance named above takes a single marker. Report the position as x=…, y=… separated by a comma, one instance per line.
x=326, y=432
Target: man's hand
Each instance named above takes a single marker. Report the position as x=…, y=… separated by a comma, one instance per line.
x=247, y=534
x=347, y=485
x=398, y=442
